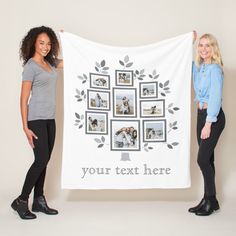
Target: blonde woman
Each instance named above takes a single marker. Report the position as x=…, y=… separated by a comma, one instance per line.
x=208, y=82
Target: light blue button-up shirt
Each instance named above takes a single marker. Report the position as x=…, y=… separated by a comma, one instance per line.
x=208, y=84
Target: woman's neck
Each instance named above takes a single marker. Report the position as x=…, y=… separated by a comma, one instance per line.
x=39, y=59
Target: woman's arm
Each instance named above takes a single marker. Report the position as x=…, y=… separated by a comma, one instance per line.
x=60, y=64
x=25, y=93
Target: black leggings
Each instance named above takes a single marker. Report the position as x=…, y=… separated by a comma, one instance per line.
x=45, y=130
x=206, y=150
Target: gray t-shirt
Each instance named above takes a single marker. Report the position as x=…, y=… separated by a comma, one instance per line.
x=42, y=104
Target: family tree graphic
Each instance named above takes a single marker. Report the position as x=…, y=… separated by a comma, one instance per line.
x=131, y=85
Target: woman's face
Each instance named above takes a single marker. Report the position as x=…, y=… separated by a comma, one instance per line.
x=42, y=45
x=205, y=50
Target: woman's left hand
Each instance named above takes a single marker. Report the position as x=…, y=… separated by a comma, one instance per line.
x=206, y=131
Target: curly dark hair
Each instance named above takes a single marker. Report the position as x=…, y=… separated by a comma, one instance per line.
x=27, y=48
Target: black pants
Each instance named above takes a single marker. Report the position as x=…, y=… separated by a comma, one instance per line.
x=206, y=150
x=45, y=130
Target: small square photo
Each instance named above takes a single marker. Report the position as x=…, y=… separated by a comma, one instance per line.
x=148, y=90
x=96, y=122
x=99, y=81
x=154, y=131
x=125, y=135
x=124, y=102
x=98, y=100
x=152, y=108
x=124, y=78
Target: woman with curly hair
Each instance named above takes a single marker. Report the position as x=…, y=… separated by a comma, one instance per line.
x=39, y=51
x=208, y=82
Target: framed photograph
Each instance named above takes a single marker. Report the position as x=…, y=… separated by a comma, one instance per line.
x=124, y=78
x=99, y=81
x=124, y=102
x=154, y=130
x=148, y=90
x=98, y=100
x=125, y=135
x=152, y=108
x=96, y=122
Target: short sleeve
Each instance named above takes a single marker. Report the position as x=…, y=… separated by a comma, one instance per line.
x=28, y=73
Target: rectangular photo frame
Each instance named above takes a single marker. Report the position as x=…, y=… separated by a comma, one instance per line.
x=124, y=78
x=96, y=122
x=152, y=108
x=99, y=81
x=125, y=135
x=148, y=90
x=124, y=102
x=98, y=100
x=154, y=130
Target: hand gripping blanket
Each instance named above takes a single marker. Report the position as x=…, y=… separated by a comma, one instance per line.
x=126, y=114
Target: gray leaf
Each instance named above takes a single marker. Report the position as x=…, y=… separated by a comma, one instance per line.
x=77, y=91
x=163, y=94
x=84, y=81
x=142, y=71
x=103, y=63
x=167, y=91
x=85, y=76
x=160, y=85
x=82, y=117
x=175, y=108
x=171, y=112
x=154, y=72
x=104, y=72
x=150, y=76
x=175, y=144
x=82, y=92
x=79, y=100
x=103, y=139
x=146, y=144
x=96, y=69
x=129, y=64
x=142, y=75
x=170, y=105
x=156, y=76
x=77, y=96
x=100, y=145
x=166, y=83
x=80, y=77
x=169, y=146
x=167, y=88
x=170, y=125
x=126, y=59
x=140, y=78
x=150, y=147
x=77, y=115
x=97, y=64
x=97, y=140
x=175, y=128
x=137, y=72
x=122, y=63
x=105, y=68
x=146, y=149
x=175, y=123
x=80, y=126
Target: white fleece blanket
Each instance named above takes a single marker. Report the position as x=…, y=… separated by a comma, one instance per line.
x=126, y=114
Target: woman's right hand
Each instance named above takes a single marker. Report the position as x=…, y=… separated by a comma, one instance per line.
x=30, y=135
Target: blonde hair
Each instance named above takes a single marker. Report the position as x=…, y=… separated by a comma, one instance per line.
x=216, y=56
